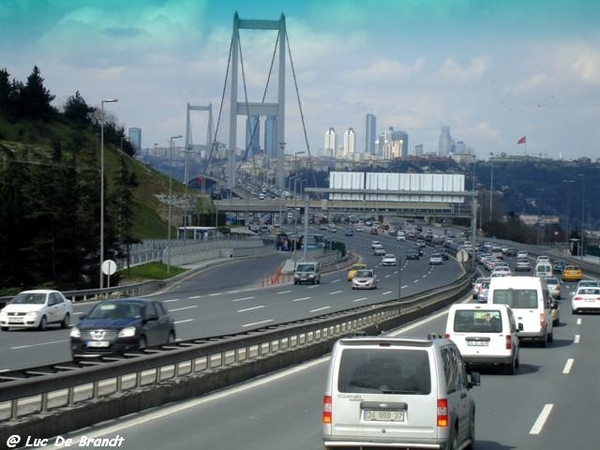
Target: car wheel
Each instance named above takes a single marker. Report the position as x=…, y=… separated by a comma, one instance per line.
x=471, y=445
x=544, y=341
x=43, y=324
x=142, y=343
x=551, y=336
x=511, y=367
x=4, y=328
x=66, y=320
x=171, y=338
x=452, y=442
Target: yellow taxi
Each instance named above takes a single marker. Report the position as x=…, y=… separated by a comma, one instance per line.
x=571, y=273
x=353, y=268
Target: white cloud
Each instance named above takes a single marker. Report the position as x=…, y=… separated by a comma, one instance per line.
x=451, y=70
x=384, y=70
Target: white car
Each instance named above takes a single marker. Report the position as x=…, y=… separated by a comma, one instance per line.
x=376, y=244
x=585, y=299
x=36, y=309
x=400, y=236
x=389, y=259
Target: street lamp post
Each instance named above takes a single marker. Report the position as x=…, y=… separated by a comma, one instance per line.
x=569, y=182
x=491, y=186
x=170, y=201
x=582, y=213
x=108, y=100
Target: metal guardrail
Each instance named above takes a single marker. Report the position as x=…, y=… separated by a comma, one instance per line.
x=60, y=385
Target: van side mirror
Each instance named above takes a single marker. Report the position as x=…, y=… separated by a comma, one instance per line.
x=519, y=326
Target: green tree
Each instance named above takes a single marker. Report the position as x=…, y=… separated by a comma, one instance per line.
x=77, y=111
x=35, y=100
x=125, y=183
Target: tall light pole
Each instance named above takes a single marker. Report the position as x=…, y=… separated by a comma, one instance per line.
x=491, y=186
x=569, y=182
x=107, y=100
x=170, y=201
x=581, y=247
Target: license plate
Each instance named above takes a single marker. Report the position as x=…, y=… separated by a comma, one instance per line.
x=377, y=415
x=478, y=343
x=590, y=300
x=15, y=320
x=98, y=344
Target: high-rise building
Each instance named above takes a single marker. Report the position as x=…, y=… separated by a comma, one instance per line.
x=271, y=144
x=349, y=143
x=253, y=135
x=445, y=146
x=370, y=134
x=135, y=139
x=330, y=143
x=395, y=144
x=419, y=150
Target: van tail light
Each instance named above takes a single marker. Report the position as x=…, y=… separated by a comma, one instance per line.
x=542, y=320
x=442, y=412
x=508, y=342
x=447, y=335
x=327, y=409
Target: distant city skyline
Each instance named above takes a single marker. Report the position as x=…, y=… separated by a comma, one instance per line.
x=491, y=71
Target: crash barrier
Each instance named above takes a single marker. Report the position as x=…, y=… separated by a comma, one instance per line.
x=49, y=404
x=330, y=262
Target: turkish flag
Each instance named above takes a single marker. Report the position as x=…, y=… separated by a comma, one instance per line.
x=522, y=140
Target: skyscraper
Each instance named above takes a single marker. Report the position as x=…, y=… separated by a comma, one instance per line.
x=349, y=143
x=395, y=144
x=330, y=143
x=445, y=146
x=370, y=134
x=135, y=139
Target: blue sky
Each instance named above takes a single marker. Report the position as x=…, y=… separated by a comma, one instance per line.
x=492, y=71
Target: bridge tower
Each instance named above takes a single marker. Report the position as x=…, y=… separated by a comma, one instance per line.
x=257, y=108
x=190, y=147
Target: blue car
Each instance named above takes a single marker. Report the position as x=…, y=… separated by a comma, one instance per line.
x=120, y=326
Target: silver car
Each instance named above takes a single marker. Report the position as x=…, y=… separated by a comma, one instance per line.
x=364, y=279
x=398, y=393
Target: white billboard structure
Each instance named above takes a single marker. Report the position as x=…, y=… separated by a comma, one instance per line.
x=397, y=187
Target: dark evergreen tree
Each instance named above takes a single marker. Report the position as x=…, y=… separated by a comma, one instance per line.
x=35, y=100
x=77, y=111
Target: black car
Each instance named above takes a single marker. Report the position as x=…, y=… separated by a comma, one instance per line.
x=412, y=253
x=119, y=326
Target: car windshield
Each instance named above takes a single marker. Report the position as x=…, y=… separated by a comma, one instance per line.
x=364, y=274
x=29, y=298
x=516, y=298
x=116, y=310
x=305, y=268
x=477, y=321
x=387, y=371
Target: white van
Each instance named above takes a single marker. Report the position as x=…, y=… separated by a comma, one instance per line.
x=485, y=334
x=398, y=393
x=542, y=269
x=530, y=302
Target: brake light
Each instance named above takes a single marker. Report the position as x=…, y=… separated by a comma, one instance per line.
x=442, y=412
x=577, y=297
x=447, y=335
x=327, y=409
x=508, y=342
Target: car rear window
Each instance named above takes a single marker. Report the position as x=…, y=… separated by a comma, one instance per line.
x=516, y=298
x=387, y=371
x=477, y=321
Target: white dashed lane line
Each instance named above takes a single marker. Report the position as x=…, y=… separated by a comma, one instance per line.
x=38, y=344
x=253, y=324
x=284, y=292
x=568, y=366
x=253, y=308
x=301, y=299
x=177, y=322
x=320, y=309
x=541, y=420
x=242, y=299
x=335, y=292
x=171, y=300
x=360, y=299
x=183, y=308
x=577, y=339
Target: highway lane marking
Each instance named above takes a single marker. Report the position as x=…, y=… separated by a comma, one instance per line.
x=416, y=281
x=579, y=321
x=568, y=366
x=388, y=275
x=314, y=286
x=284, y=292
x=242, y=299
x=77, y=313
x=541, y=420
x=386, y=293
x=193, y=297
x=257, y=323
x=301, y=299
x=214, y=294
x=177, y=322
x=320, y=309
x=171, y=300
x=577, y=339
x=41, y=343
x=360, y=299
x=423, y=276
x=335, y=292
x=253, y=308
x=334, y=281
x=183, y=308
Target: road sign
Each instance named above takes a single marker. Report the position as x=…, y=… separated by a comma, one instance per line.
x=462, y=256
x=109, y=267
